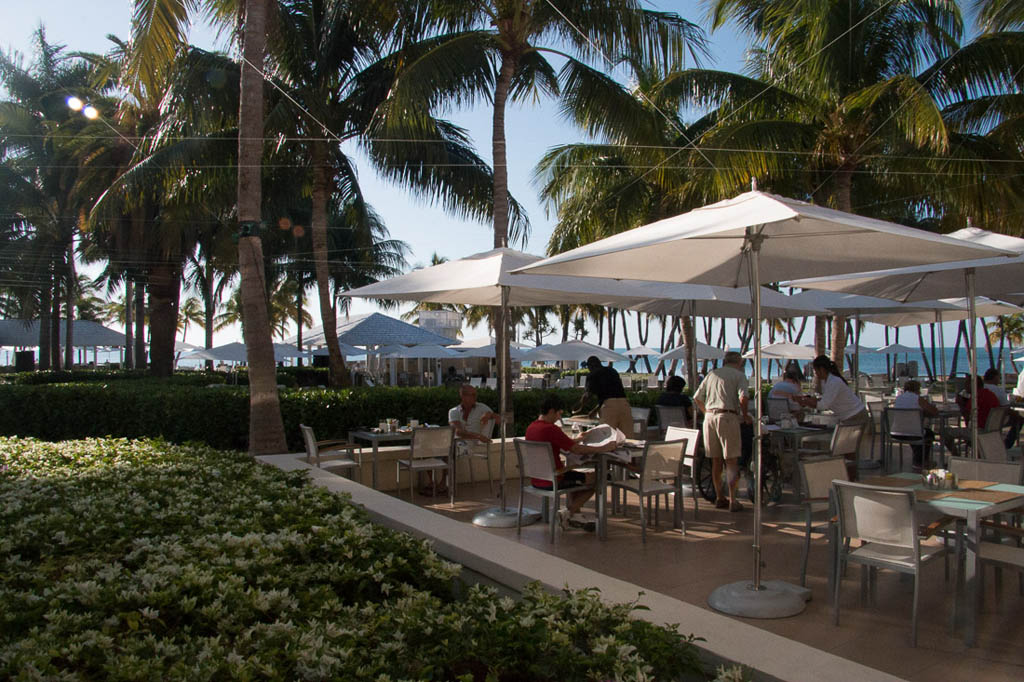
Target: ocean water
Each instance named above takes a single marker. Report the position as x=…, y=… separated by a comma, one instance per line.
x=874, y=363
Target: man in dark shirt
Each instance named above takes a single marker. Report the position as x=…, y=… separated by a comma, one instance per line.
x=673, y=396
x=604, y=383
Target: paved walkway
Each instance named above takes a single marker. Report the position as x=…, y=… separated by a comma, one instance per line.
x=717, y=550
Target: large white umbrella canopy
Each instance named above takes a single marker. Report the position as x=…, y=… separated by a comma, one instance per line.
x=345, y=349
x=711, y=245
x=573, y=351
x=856, y=304
x=994, y=275
x=983, y=307
x=715, y=301
x=481, y=341
x=702, y=352
x=757, y=238
x=374, y=329
x=784, y=350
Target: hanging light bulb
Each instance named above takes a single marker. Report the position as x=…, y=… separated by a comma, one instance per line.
x=75, y=104
x=90, y=112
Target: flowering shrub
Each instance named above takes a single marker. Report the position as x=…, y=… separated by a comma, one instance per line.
x=138, y=559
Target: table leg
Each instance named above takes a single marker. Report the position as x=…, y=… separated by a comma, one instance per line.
x=972, y=537
x=374, y=470
x=602, y=474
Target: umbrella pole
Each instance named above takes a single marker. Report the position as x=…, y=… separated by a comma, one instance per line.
x=942, y=356
x=502, y=517
x=757, y=599
x=856, y=354
x=972, y=314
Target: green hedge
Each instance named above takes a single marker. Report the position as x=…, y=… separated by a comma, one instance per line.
x=139, y=560
x=219, y=416
x=108, y=375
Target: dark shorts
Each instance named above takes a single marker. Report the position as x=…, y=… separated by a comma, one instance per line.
x=568, y=480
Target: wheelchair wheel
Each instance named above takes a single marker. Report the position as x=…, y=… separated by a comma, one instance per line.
x=704, y=482
x=771, y=482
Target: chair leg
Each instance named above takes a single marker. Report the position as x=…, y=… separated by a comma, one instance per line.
x=913, y=615
x=554, y=517
x=519, y=515
x=490, y=476
x=838, y=580
x=643, y=518
x=863, y=585
x=807, y=551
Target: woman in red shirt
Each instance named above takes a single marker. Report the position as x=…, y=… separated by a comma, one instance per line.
x=545, y=429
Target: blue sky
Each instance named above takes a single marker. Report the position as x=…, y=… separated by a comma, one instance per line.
x=531, y=130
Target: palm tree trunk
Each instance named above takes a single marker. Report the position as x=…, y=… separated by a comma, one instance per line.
x=55, y=359
x=988, y=344
x=298, y=318
x=321, y=194
x=266, y=428
x=164, y=291
x=961, y=330
x=140, y=325
x=45, y=322
x=129, y=327
x=690, y=339
x=69, y=296
x=927, y=364
x=820, y=335
x=209, y=308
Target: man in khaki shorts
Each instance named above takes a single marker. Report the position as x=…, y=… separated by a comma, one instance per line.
x=722, y=397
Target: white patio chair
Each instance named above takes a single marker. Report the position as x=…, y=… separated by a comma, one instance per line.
x=431, y=449
x=339, y=455
x=670, y=416
x=884, y=521
x=970, y=469
x=691, y=467
x=652, y=383
x=492, y=383
x=816, y=476
x=904, y=426
x=466, y=449
x=660, y=463
x=476, y=382
x=778, y=408
x=845, y=443
x=641, y=415
x=991, y=447
x=537, y=460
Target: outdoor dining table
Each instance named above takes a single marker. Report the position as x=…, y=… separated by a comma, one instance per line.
x=623, y=454
x=375, y=438
x=970, y=504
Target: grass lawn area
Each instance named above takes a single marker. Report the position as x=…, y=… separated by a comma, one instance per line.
x=143, y=560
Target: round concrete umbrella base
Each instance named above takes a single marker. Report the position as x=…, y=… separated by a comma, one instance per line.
x=775, y=599
x=504, y=518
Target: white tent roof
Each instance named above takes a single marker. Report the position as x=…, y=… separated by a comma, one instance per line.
x=481, y=341
x=985, y=307
x=573, y=351
x=374, y=329
x=993, y=276
x=799, y=240
x=704, y=352
x=345, y=349
x=784, y=350
x=87, y=334
x=182, y=347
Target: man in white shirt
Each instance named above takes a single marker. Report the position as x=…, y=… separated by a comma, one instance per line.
x=469, y=419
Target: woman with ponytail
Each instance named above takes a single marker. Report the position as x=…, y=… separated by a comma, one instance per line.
x=836, y=394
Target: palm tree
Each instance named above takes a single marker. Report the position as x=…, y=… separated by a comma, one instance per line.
x=191, y=311
x=1006, y=329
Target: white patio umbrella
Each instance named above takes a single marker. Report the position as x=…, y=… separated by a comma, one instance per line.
x=989, y=276
x=701, y=352
x=574, y=350
x=752, y=239
x=783, y=350
x=491, y=351
x=345, y=349
x=640, y=351
x=426, y=351
x=236, y=352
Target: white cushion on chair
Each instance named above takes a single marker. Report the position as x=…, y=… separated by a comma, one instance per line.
x=999, y=553
x=425, y=463
x=889, y=554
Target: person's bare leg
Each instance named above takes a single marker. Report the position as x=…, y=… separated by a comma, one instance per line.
x=733, y=473
x=716, y=476
x=577, y=500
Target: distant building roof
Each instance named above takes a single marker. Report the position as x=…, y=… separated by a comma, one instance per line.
x=87, y=334
x=374, y=329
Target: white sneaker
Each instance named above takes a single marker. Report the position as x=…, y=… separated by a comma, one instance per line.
x=582, y=522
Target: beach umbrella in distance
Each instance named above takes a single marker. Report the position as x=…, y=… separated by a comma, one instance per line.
x=640, y=351
x=752, y=239
x=573, y=351
x=783, y=350
x=426, y=351
x=702, y=352
x=490, y=351
x=346, y=350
